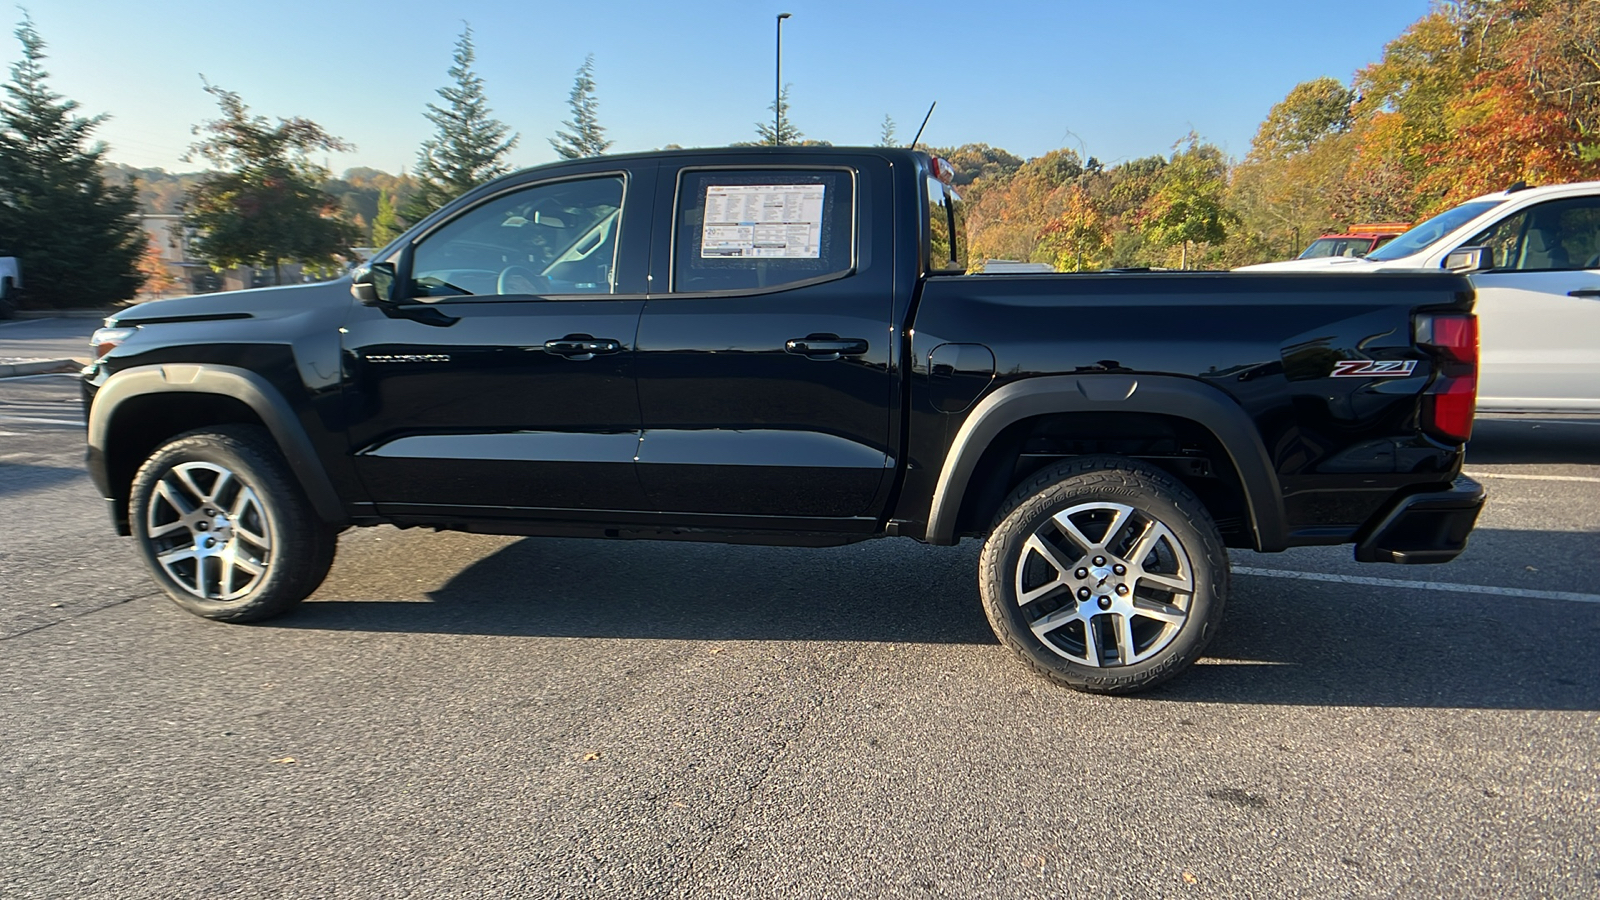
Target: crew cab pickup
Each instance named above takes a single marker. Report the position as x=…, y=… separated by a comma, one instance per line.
x=779, y=346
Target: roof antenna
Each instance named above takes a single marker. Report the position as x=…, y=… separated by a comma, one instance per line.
x=1519, y=186
x=924, y=124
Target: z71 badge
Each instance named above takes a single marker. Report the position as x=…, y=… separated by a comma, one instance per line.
x=1373, y=368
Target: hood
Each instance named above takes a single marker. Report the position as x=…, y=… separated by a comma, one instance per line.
x=1317, y=264
x=269, y=302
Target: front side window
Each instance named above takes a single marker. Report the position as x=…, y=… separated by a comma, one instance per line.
x=751, y=230
x=558, y=238
x=1555, y=236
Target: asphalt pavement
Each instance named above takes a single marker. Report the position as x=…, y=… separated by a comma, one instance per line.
x=461, y=715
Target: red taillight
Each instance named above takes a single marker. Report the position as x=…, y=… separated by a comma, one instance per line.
x=1451, y=400
x=941, y=170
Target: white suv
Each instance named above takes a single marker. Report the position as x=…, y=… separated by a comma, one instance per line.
x=1538, y=293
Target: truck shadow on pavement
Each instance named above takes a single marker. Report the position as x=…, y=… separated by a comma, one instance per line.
x=1282, y=642
x=18, y=479
x=1512, y=441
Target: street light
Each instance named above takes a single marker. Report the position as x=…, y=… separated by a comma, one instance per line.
x=777, y=88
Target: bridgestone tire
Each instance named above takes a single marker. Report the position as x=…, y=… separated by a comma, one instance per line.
x=225, y=527
x=1031, y=574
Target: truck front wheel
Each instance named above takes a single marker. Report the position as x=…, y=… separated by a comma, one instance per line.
x=225, y=528
x=1104, y=574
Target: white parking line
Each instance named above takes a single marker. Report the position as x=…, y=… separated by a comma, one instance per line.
x=31, y=420
x=1583, y=478
x=1444, y=586
x=1516, y=418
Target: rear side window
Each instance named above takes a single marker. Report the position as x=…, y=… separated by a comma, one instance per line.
x=947, y=245
x=751, y=230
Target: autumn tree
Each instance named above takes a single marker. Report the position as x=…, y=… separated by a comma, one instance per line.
x=1189, y=206
x=585, y=136
x=264, y=204
x=469, y=146
x=1079, y=238
x=158, y=279
x=75, y=234
x=886, y=133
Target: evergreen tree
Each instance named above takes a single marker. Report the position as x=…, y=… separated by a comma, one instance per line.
x=386, y=224
x=470, y=146
x=265, y=204
x=586, y=137
x=886, y=139
x=76, y=236
x=781, y=132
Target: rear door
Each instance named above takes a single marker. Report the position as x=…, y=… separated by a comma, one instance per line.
x=765, y=378
x=1539, y=309
x=502, y=382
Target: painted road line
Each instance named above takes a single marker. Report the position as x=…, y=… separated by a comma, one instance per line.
x=1444, y=586
x=1519, y=419
x=1582, y=478
x=32, y=420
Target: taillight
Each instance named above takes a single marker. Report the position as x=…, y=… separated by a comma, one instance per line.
x=1451, y=400
x=106, y=339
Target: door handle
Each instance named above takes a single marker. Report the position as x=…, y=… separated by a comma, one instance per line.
x=1584, y=292
x=825, y=346
x=581, y=347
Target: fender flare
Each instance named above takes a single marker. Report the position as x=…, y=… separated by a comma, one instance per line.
x=1182, y=398
x=241, y=384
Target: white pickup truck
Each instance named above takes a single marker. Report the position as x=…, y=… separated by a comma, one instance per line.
x=1538, y=290
x=10, y=283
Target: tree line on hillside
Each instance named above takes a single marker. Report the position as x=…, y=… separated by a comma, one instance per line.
x=1475, y=95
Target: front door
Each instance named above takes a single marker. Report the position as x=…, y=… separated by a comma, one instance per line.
x=765, y=370
x=500, y=382
x=1539, y=309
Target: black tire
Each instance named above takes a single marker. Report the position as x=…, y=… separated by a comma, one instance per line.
x=257, y=518
x=1167, y=628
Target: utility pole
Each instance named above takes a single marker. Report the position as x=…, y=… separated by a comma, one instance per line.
x=777, y=88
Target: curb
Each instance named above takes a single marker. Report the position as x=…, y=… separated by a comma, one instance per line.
x=38, y=367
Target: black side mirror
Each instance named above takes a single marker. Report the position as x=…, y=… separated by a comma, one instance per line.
x=374, y=283
x=1467, y=260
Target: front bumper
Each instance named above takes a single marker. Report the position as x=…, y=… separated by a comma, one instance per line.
x=1424, y=528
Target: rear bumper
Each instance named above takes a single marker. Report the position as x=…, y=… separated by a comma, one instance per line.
x=1429, y=527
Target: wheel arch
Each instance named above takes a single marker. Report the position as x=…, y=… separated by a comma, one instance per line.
x=977, y=470
x=139, y=408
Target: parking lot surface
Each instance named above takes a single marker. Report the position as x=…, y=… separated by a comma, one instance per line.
x=461, y=715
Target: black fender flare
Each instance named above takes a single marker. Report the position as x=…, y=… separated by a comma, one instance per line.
x=1168, y=395
x=241, y=384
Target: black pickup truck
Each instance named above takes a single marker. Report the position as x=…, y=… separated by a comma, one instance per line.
x=779, y=346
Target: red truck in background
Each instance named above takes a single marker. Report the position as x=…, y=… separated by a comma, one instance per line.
x=1358, y=241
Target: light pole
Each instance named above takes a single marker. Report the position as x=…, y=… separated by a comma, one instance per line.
x=777, y=88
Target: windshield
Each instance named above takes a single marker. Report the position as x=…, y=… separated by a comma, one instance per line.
x=1420, y=237
x=1337, y=247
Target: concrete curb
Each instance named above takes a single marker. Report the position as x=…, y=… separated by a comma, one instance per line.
x=38, y=367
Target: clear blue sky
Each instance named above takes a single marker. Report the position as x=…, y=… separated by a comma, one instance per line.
x=1117, y=79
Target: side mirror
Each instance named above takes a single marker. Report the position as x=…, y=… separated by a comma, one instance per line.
x=374, y=283
x=1467, y=260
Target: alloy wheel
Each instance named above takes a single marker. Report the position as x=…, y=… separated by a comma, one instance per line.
x=1104, y=584
x=209, y=531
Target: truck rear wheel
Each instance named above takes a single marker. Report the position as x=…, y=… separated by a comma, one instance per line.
x=1104, y=574
x=225, y=528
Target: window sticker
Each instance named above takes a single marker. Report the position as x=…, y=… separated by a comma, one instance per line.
x=782, y=221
